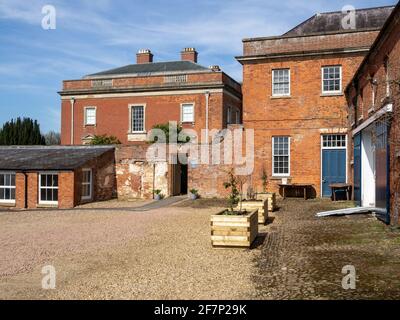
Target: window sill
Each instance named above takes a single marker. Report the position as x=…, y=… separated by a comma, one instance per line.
x=280, y=177
x=90, y=125
x=281, y=97
x=7, y=204
x=47, y=205
x=332, y=94
x=137, y=136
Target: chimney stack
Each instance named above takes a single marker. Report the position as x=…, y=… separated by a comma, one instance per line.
x=144, y=56
x=189, y=54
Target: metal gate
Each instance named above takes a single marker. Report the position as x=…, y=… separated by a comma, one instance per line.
x=381, y=160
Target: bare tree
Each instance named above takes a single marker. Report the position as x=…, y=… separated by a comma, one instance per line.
x=52, y=138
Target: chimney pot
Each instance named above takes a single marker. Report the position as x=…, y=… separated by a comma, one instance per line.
x=189, y=54
x=215, y=68
x=144, y=56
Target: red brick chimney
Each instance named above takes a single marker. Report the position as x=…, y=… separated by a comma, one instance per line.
x=189, y=54
x=144, y=56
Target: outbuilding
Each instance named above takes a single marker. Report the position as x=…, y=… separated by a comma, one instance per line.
x=55, y=177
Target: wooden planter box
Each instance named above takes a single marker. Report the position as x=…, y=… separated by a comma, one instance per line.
x=271, y=197
x=260, y=205
x=234, y=231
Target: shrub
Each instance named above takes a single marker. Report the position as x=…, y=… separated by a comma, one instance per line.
x=104, y=140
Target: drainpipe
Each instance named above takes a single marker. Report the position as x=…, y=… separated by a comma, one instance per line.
x=72, y=119
x=388, y=167
x=26, y=191
x=154, y=178
x=207, y=107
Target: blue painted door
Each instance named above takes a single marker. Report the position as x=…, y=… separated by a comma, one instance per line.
x=333, y=169
x=357, y=169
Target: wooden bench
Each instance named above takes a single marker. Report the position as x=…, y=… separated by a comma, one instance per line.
x=341, y=187
x=305, y=187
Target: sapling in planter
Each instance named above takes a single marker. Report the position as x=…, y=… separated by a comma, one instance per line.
x=158, y=195
x=252, y=203
x=234, y=227
x=194, y=194
x=235, y=197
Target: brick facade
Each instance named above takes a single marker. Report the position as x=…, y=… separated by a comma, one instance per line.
x=137, y=176
x=374, y=87
x=69, y=185
x=162, y=95
x=307, y=114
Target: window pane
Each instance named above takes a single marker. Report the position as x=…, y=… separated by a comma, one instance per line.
x=91, y=116
x=12, y=194
x=281, y=155
x=331, y=78
x=137, y=118
x=280, y=82
x=55, y=195
x=55, y=180
x=49, y=180
x=43, y=180
x=187, y=113
x=43, y=195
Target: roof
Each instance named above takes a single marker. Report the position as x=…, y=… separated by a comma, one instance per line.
x=331, y=22
x=26, y=158
x=382, y=36
x=153, y=68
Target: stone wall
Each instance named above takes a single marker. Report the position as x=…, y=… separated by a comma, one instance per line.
x=136, y=176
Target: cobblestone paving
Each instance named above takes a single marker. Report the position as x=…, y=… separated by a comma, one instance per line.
x=303, y=256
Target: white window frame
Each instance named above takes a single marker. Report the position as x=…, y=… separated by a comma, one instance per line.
x=334, y=134
x=95, y=116
x=272, y=87
x=273, y=157
x=40, y=188
x=193, y=111
x=131, y=106
x=90, y=196
x=340, y=91
x=9, y=201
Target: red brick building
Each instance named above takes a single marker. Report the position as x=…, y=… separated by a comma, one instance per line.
x=374, y=107
x=293, y=96
x=127, y=102
x=55, y=177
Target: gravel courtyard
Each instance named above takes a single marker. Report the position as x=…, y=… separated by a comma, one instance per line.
x=109, y=251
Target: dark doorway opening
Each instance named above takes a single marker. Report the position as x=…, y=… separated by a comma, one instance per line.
x=178, y=177
x=184, y=179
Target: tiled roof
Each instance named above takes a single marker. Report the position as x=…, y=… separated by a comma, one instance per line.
x=48, y=158
x=371, y=18
x=153, y=68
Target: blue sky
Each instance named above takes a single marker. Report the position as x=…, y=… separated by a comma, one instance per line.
x=95, y=35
